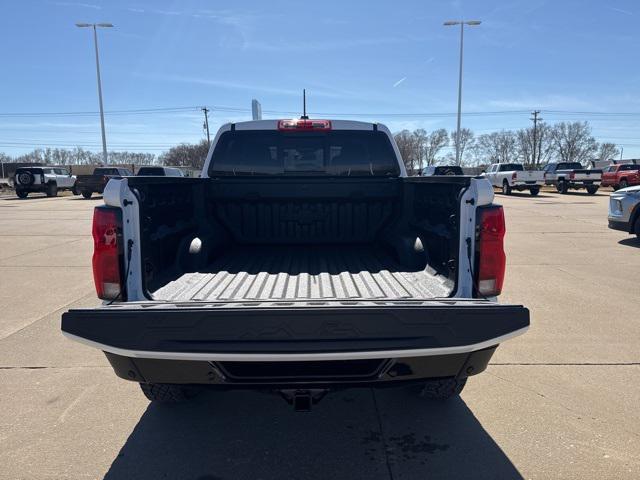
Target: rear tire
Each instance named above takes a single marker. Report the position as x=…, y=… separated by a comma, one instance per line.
x=636, y=227
x=624, y=183
x=534, y=191
x=86, y=194
x=52, y=190
x=592, y=189
x=75, y=191
x=562, y=187
x=22, y=193
x=168, y=393
x=506, y=189
x=443, y=388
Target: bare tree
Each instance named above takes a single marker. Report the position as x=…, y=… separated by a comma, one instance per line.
x=467, y=143
x=540, y=153
x=573, y=141
x=186, y=155
x=497, y=147
x=607, y=151
x=409, y=150
x=420, y=140
x=435, y=142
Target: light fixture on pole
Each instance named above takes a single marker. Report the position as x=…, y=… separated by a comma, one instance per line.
x=95, y=26
x=462, y=23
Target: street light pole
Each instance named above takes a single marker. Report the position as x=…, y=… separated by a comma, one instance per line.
x=462, y=23
x=95, y=43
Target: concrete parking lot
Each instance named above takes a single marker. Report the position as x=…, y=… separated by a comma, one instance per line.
x=558, y=402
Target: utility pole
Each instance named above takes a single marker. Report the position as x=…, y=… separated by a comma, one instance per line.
x=206, y=123
x=535, y=121
x=95, y=43
x=462, y=23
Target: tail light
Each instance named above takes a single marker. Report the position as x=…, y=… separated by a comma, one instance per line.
x=572, y=175
x=107, y=252
x=491, y=263
x=304, y=125
x=545, y=175
x=514, y=175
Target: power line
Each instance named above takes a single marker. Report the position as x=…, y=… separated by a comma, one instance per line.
x=224, y=108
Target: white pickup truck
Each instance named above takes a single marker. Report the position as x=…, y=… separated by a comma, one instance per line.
x=572, y=175
x=303, y=260
x=513, y=176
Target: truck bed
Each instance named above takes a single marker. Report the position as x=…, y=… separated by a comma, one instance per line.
x=294, y=272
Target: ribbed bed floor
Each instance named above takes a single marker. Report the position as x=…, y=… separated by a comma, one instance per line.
x=290, y=273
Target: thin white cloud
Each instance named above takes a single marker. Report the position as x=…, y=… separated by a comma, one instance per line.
x=136, y=10
x=550, y=102
x=77, y=4
x=166, y=12
x=296, y=45
x=399, y=82
x=620, y=10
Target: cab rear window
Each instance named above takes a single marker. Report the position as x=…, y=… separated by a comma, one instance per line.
x=338, y=152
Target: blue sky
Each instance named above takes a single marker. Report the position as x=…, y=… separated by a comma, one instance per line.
x=373, y=59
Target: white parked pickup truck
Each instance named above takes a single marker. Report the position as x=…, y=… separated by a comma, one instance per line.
x=572, y=175
x=304, y=260
x=513, y=176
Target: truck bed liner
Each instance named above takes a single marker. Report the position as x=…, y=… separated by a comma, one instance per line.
x=289, y=273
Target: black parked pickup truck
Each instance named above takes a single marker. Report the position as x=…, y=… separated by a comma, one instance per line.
x=87, y=185
x=304, y=260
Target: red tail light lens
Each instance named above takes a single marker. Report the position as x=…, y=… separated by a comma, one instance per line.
x=514, y=175
x=107, y=252
x=492, y=261
x=304, y=125
x=572, y=175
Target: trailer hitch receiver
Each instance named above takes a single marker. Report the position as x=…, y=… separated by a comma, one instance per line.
x=303, y=399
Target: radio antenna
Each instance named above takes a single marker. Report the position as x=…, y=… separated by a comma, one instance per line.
x=304, y=105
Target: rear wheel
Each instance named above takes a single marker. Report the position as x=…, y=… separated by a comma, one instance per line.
x=562, y=187
x=624, y=183
x=87, y=194
x=534, y=191
x=52, y=190
x=636, y=227
x=75, y=191
x=168, y=393
x=506, y=189
x=442, y=388
x=22, y=193
x=592, y=189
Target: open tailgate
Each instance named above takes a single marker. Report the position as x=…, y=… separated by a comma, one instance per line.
x=246, y=331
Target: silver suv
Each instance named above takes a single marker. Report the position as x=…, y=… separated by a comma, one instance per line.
x=49, y=180
x=624, y=210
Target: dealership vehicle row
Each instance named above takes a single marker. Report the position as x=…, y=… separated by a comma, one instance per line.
x=559, y=401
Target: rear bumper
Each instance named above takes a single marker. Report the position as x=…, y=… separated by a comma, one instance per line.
x=620, y=225
x=583, y=183
x=171, y=345
x=31, y=188
x=291, y=374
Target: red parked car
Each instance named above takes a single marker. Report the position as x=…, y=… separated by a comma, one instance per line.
x=621, y=176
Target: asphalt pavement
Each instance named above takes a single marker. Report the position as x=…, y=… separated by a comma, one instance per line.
x=559, y=402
